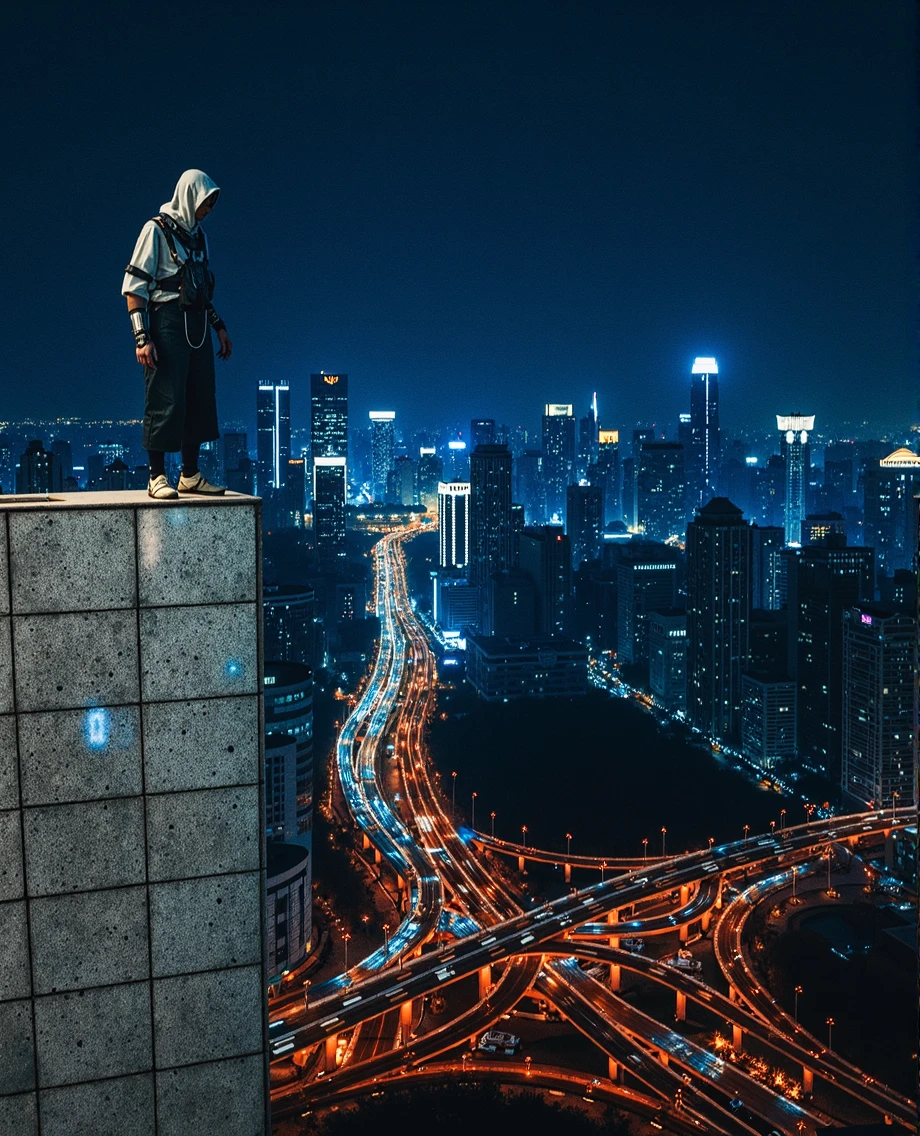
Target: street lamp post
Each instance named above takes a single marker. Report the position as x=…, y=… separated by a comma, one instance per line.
x=747, y=829
x=664, y=833
x=711, y=842
x=568, y=845
x=603, y=866
x=386, y=939
x=830, y=1032
x=345, y=939
x=895, y=796
x=524, y=834
x=473, y=812
x=782, y=820
x=492, y=817
x=306, y=993
x=795, y=1009
x=645, y=848
x=453, y=796
x=772, y=827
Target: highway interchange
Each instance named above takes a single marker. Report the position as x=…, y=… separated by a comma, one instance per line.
x=344, y=1038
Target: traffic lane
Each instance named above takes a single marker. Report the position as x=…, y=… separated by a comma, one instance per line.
x=574, y=1000
x=699, y=1063
x=511, y=987
x=516, y=934
x=853, y=1086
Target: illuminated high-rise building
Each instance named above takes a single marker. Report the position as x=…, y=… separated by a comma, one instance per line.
x=328, y=416
x=705, y=439
x=546, y=557
x=879, y=707
x=273, y=441
x=558, y=455
x=584, y=522
x=39, y=470
x=454, y=524
x=329, y=481
x=490, y=512
x=891, y=487
x=530, y=486
x=588, y=430
x=796, y=453
x=607, y=473
x=718, y=616
x=383, y=450
x=660, y=490
x=430, y=475
x=482, y=432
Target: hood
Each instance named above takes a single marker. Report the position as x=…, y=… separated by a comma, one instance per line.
x=191, y=189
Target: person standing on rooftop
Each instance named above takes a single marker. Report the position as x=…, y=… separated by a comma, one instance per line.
x=169, y=286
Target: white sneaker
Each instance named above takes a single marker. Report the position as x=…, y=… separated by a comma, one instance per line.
x=197, y=484
x=160, y=488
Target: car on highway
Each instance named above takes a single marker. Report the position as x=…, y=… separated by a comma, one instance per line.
x=690, y=965
x=497, y=1041
x=634, y=945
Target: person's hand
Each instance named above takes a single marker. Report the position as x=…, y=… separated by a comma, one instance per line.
x=147, y=355
x=226, y=344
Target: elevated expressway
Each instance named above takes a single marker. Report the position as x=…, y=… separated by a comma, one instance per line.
x=439, y=867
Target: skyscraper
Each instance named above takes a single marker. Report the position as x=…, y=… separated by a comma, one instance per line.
x=530, y=486
x=667, y=652
x=558, y=455
x=879, y=707
x=584, y=522
x=430, y=475
x=824, y=581
x=767, y=542
x=718, y=616
x=608, y=473
x=328, y=416
x=546, y=557
x=273, y=438
x=890, y=489
x=39, y=470
x=482, y=432
x=454, y=524
x=646, y=582
x=796, y=454
x=329, y=479
x=660, y=490
x=383, y=449
x=705, y=438
x=401, y=482
x=490, y=512
x=587, y=439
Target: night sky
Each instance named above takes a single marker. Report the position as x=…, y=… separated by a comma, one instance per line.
x=474, y=208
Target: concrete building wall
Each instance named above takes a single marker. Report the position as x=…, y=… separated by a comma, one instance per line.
x=132, y=863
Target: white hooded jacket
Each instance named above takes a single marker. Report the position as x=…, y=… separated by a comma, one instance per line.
x=151, y=253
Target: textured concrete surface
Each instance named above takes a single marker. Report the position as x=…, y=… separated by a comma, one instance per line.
x=198, y=652
x=120, y=1107
x=80, y=755
x=17, y=1069
x=206, y=924
x=14, y=952
x=200, y=1017
x=6, y=666
x=91, y=1034
x=11, y=881
x=96, y=844
x=220, y=1097
x=200, y=744
x=72, y=560
x=9, y=775
x=203, y=833
x=132, y=860
x=48, y=646
x=97, y=938
x=179, y=561
x=19, y=1115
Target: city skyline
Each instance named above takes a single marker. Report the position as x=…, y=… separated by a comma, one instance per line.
x=724, y=183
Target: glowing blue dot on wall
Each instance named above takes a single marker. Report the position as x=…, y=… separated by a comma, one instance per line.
x=234, y=668
x=97, y=725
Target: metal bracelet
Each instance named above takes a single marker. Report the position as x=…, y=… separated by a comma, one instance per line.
x=140, y=325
